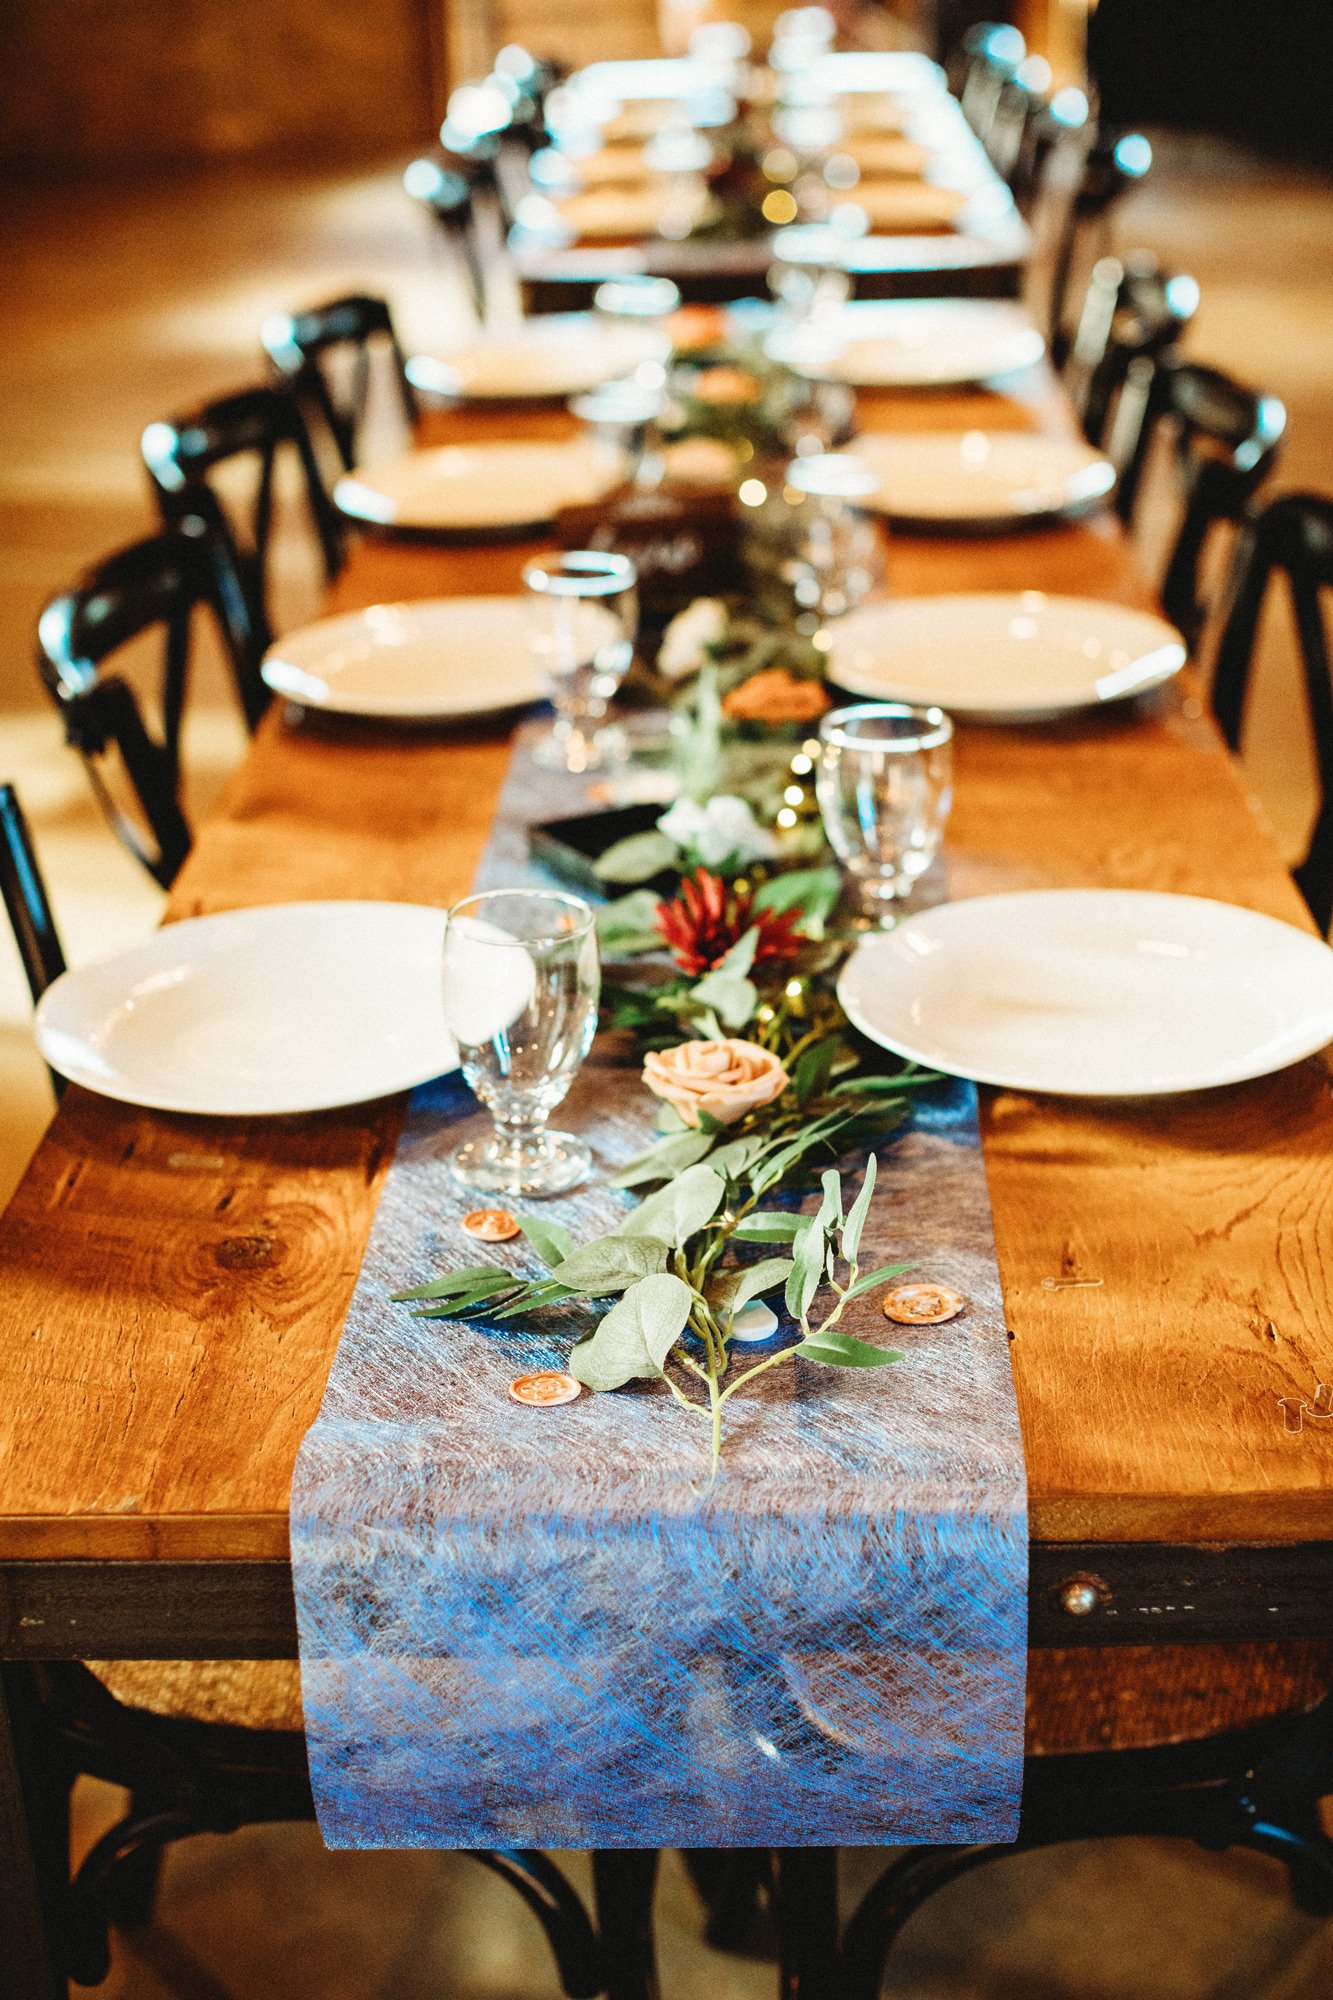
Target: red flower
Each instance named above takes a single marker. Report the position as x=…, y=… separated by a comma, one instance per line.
x=708, y=917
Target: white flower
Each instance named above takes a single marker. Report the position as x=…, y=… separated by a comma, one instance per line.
x=700, y=624
x=723, y=830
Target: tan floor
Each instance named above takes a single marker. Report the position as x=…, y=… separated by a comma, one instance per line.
x=129, y=302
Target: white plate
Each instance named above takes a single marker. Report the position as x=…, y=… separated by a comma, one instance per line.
x=912, y=343
x=1016, y=657
x=461, y=486
x=286, y=1008
x=424, y=661
x=1094, y=992
x=982, y=478
x=557, y=354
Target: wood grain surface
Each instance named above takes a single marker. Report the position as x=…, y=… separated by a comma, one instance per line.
x=173, y=1288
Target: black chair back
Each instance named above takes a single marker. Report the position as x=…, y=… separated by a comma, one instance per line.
x=992, y=52
x=450, y=187
x=28, y=905
x=1293, y=536
x=1130, y=310
x=26, y=899
x=1113, y=163
x=1225, y=440
x=153, y=584
x=255, y=424
x=324, y=357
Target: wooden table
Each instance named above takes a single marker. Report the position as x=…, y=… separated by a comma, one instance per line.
x=174, y=1287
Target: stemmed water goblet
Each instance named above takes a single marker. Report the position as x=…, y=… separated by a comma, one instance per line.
x=521, y=979
x=884, y=782
x=583, y=620
x=837, y=557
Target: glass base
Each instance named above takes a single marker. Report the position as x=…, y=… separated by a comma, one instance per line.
x=538, y=1163
x=570, y=748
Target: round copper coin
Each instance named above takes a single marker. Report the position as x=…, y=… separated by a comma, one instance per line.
x=492, y=1225
x=922, y=1305
x=542, y=1392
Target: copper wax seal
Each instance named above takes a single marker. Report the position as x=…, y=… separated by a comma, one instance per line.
x=544, y=1391
x=922, y=1305
x=492, y=1225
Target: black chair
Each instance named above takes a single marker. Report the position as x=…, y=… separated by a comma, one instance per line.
x=1113, y=163
x=254, y=424
x=1019, y=105
x=1225, y=441
x=158, y=583
x=991, y=54
x=452, y=187
x=1293, y=536
x=324, y=356
x=174, y=1734
x=1257, y=1787
x=1131, y=311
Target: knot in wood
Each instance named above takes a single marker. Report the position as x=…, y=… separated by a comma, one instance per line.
x=244, y=1253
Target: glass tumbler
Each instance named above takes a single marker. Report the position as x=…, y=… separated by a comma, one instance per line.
x=583, y=620
x=521, y=982
x=837, y=557
x=884, y=782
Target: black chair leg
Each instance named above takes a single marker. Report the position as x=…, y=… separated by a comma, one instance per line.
x=558, y=1910
x=131, y=1885
x=730, y=1881
x=1308, y=1859
x=624, y=1881
x=805, y=1917
x=135, y=1844
x=884, y=1909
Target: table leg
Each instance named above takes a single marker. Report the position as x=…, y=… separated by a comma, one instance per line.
x=624, y=1879
x=805, y=1917
x=30, y=1824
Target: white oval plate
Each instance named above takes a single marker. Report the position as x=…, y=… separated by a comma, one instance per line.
x=286, y=1008
x=976, y=479
x=557, y=354
x=912, y=343
x=462, y=486
x=1012, y=657
x=425, y=661
x=1094, y=992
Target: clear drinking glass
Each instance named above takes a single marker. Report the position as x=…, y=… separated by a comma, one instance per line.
x=837, y=556
x=521, y=982
x=884, y=782
x=584, y=617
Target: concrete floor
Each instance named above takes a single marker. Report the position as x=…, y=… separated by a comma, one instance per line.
x=127, y=302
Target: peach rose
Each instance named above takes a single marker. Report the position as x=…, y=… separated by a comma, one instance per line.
x=775, y=695
x=724, y=1079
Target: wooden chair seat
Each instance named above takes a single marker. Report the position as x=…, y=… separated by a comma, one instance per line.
x=245, y=1694
x=1138, y=1697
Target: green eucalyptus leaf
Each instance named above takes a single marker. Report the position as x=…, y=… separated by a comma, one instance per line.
x=741, y=956
x=626, y=927
x=814, y=1067
x=870, y=1279
x=844, y=1350
x=734, y=1289
x=812, y=891
x=807, y=1269
x=856, y=1221
x=637, y=857
x=875, y=1086
x=552, y=1243
x=668, y=1157
x=768, y=1225
x=773, y=1169
x=830, y=1208
x=737, y=1155
x=636, y=1336
x=679, y=1209
x=474, y=1277
x=729, y=996
x=612, y=1263
x=543, y=1292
